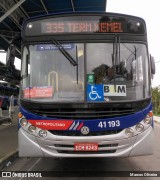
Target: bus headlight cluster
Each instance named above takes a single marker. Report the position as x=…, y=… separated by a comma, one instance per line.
x=37, y=132
x=27, y=126
x=141, y=126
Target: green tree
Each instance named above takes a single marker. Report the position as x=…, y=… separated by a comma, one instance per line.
x=156, y=100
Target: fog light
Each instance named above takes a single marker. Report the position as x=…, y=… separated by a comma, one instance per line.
x=129, y=132
x=147, y=120
x=23, y=122
x=42, y=133
x=32, y=129
x=139, y=127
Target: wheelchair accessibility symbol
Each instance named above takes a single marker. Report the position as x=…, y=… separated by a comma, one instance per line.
x=95, y=92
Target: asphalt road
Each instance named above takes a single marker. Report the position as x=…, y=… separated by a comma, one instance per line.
x=91, y=166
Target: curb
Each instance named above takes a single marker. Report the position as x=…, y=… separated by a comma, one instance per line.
x=157, y=122
x=6, y=160
x=156, y=119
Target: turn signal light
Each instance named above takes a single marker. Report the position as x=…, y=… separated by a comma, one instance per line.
x=150, y=114
x=20, y=115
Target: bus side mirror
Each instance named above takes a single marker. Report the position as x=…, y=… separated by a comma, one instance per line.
x=153, y=67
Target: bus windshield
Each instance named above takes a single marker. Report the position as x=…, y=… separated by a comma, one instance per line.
x=49, y=77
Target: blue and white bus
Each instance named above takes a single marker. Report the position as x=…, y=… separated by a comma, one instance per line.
x=85, y=86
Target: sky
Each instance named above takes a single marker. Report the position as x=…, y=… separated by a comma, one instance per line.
x=150, y=12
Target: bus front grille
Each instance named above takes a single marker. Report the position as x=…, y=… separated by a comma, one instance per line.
x=84, y=113
x=86, y=152
x=78, y=133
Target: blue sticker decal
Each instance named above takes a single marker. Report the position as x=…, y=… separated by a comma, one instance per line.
x=47, y=47
x=95, y=92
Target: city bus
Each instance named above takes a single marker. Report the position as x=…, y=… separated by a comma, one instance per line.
x=85, y=86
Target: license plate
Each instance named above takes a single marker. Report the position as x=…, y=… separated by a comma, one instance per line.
x=85, y=147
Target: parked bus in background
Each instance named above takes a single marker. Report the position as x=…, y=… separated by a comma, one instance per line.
x=85, y=86
x=5, y=93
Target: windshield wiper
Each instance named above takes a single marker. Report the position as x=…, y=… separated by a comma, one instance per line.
x=116, y=58
x=77, y=64
x=65, y=53
x=132, y=52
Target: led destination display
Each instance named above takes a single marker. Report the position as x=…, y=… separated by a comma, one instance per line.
x=84, y=25
x=80, y=27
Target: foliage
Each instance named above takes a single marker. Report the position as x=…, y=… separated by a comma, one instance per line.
x=156, y=100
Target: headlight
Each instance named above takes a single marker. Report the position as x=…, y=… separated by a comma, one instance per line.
x=148, y=120
x=139, y=127
x=129, y=132
x=42, y=133
x=32, y=129
x=23, y=122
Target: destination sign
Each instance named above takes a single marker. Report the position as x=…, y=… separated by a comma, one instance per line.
x=88, y=24
x=81, y=27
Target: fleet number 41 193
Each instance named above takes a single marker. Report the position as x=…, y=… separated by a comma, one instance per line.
x=104, y=124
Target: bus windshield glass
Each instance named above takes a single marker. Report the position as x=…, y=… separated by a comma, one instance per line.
x=113, y=71
x=50, y=76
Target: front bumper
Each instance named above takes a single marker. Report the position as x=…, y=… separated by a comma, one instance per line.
x=117, y=145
